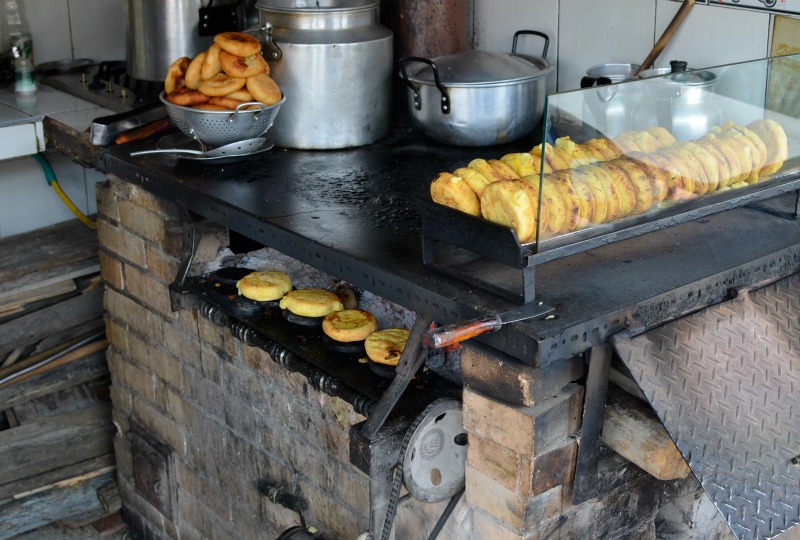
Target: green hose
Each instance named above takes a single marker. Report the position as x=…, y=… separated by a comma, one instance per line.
x=50, y=176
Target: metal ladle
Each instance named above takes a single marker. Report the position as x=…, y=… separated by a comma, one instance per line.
x=238, y=148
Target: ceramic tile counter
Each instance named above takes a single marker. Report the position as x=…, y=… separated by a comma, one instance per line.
x=22, y=118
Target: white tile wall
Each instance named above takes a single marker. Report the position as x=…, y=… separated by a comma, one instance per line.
x=583, y=33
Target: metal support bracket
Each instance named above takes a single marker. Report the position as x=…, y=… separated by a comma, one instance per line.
x=586, y=484
x=411, y=360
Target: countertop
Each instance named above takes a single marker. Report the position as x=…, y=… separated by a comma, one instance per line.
x=353, y=214
x=22, y=118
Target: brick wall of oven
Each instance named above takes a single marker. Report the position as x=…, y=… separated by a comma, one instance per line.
x=202, y=417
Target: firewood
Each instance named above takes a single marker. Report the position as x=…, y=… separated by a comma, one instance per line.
x=633, y=430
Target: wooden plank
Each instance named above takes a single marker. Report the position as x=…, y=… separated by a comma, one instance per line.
x=64, y=353
x=58, y=503
x=47, y=255
x=74, y=313
x=54, y=443
x=13, y=490
x=632, y=430
x=65, y=389
x=16, y=301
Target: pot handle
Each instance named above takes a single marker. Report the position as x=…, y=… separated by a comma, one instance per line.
x=270, y=49
x=534, y=33
x=445, y=102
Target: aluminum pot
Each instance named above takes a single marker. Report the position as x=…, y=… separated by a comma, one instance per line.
x=158, y=32
x=477, y=98
x=609, y=108
x=333, y=61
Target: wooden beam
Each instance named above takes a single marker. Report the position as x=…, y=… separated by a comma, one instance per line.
x=58, y=356
x=58, y=503
x=55, y=442
x=33, y=484
x=633, y=430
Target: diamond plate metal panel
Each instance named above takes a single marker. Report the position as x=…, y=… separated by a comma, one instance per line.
x=725, y=381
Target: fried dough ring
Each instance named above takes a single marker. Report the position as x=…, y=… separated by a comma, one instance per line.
x=662, y=135
x=707, y=162
x=776, y=142
x=210, y=107
x=747, y=153
x=556, y=207
x=581, y=176
x=626, y=141
x=492, y=173
x=613, y=197
x=451, y=191
x=692, y=172
x=220, y=85
x=520, y=162
x=681, y=186
x=473, y=178
x=176, y=74
x=540, y=161
x=242, y=95
x=211, y=65
x=264, y=89
x=567, y=193
x=728, y=147
x=754, y=138
x=242, y=66
x=571, y=152
x=511, y=203
x=186, y=97
x=646, y=141
x=625, y=189
x=194, y=71
x=641, y=183
x=654, y=170
x=227, y=103
x=583, y=195
x=238, y=43
x=605, y=147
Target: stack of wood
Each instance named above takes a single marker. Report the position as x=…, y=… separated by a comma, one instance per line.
x=56, y=432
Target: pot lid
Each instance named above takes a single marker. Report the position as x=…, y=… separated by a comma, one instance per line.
x=480, y=68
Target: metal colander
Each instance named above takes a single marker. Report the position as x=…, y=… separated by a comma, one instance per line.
x=216, y=128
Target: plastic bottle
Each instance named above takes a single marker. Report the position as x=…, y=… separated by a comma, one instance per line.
x=21, y=42
x=24, y=80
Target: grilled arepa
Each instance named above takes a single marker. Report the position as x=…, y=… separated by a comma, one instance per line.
x=386, y=346
x=311, y=302
x=265, y=285
x=349, y=325
x=641, y=183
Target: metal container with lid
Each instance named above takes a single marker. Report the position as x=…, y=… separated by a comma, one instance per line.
x=477, y=98
x=680, y=100
x=333, y=61
x=609, y=108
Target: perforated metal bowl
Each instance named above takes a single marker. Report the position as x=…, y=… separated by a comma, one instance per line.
x=216, y=128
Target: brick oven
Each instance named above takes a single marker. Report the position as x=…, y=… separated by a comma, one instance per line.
x=210, y=428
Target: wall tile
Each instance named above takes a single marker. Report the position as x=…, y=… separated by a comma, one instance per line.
x=44, y=17
x=101, y=34
x=591, y=33
x=494, y=28
x=713, y=35
x=28, y=203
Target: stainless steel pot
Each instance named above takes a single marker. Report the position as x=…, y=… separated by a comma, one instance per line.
x=683, y=102
x=477, y=98
x=609, y=109
x=333, y=62
x=158, y=32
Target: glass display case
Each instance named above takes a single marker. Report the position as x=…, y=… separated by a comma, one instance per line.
x=621, y=160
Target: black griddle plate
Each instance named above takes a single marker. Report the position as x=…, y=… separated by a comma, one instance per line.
x=307, y=342
x=725, y=381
